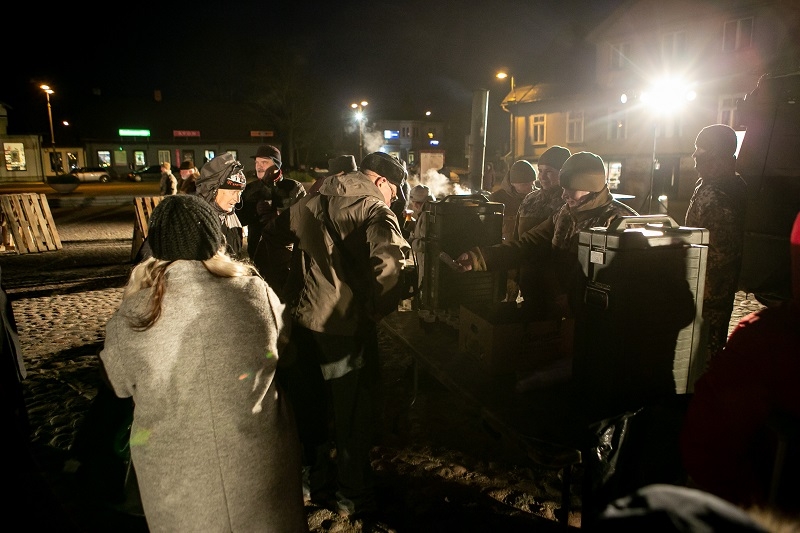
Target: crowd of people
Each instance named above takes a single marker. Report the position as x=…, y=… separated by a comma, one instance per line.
x=254, y=368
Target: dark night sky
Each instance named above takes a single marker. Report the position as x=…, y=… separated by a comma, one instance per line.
x=411, y=55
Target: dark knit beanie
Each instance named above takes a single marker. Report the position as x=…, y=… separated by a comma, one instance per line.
x=269, y=151
x=583, y=171
x=717, y=139
x=184, y=226
x=343, y=163
x=554, y=157
x=522, y=172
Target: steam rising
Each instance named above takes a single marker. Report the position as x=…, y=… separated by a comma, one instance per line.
x=439, y=184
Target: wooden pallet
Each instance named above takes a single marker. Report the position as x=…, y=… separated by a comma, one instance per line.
x=143, y=208
x=27, y=217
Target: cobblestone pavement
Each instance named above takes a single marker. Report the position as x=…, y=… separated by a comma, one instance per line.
x=61, y=302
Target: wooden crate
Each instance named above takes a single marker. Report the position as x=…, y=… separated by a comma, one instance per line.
x=27, y=217
x=143, y=207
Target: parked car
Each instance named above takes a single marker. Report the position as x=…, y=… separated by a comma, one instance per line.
x=151, y=173
x=101, y=174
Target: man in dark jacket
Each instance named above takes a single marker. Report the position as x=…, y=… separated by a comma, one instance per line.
x=718, y=204
x=268, y=193
x=344, y=277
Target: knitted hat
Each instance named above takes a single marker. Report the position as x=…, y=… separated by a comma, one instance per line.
x=184, y=226
x=421, y=193
x=522, y=172
x=267, y=150
x=583, y=171
x=717, y=139
x=187, y=165
x=554, y=157
x=222, y=172
x=387, y=166
x=343, y=163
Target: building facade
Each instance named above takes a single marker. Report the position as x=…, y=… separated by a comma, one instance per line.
x=681, y=65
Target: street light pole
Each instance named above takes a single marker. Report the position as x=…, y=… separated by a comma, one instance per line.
x=511, y=148
x=652, y=170
x=48, y=91
x=360, y=117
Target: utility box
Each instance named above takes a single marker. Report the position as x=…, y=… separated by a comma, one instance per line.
x=638, y=336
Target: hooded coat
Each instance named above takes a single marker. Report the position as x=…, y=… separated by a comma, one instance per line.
x=326, y=292
x=206, y=186
x=213, y=442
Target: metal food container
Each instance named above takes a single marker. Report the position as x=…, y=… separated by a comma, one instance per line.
x=454, y=225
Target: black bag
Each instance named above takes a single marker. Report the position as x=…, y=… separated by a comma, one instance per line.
x=102, y=447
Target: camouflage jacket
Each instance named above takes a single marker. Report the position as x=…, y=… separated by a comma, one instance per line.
x=536, y=207
x=557, y=234
x=554, y=243
x=510, y=198
x=718, y=204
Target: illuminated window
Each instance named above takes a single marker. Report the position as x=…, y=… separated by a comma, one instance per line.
x=104, y=158
x=575, y=127
x=614, y=173
x=139, y=158
x=72, y=160
x=673, y=46
x=538, y=130
x=737, y=34
x=617, y=125
x=619, y=55
x=163, y=156
x=726, y=113
x=56, y=162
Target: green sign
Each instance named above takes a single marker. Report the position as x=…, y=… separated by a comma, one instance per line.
x=134, y=133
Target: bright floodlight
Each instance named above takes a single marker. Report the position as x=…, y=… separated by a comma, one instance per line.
x=667, y=95
x=502, y=75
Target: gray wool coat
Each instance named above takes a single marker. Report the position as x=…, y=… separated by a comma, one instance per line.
x=213, y=443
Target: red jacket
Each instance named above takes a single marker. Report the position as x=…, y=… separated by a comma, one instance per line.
x=726, y=446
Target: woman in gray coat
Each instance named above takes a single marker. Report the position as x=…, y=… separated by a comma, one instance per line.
x=195, y=343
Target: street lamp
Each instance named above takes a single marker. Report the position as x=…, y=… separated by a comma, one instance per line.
x=663, y=98
x=503, y=75
x=48, y=91
x=360, y=118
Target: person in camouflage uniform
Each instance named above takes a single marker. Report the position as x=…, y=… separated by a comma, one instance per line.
x=554, y=242
x=539, y=205
x=718, y=204
x=546, y=200
x=517, y=183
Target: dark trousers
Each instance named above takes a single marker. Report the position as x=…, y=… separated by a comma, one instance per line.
x=331, y=383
